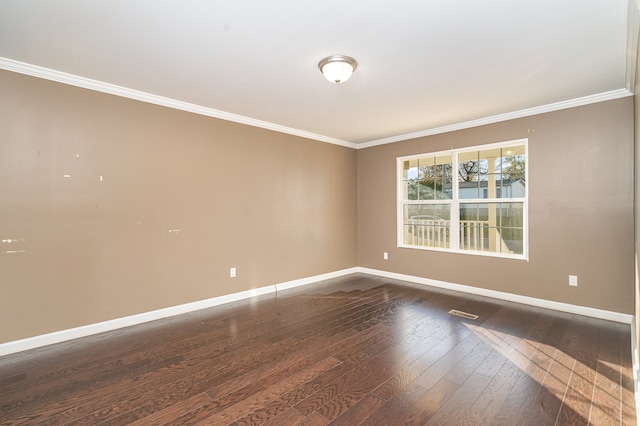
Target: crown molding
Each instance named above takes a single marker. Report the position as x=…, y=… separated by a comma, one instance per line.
x=112, y=89
x=586, y=100
x=99, y=86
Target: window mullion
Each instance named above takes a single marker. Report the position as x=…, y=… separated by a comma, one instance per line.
x=455, y=203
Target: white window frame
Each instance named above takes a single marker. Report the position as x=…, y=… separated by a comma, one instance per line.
x=455, y=202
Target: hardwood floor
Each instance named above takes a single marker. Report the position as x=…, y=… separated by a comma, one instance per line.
x=354, y=350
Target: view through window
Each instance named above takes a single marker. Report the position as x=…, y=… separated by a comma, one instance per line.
x=471, y=200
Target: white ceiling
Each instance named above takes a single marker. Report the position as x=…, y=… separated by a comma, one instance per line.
x=423, y=65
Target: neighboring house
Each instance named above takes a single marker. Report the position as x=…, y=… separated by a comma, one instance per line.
x=506, y=188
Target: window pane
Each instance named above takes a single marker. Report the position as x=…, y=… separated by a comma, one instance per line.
x=467, y=190
x=513, y=168
x=492, y=173
x=428, y=178
x=410, y=173
x=410, y=190
x=469, y=175
x=511, y=227
x=410, y=170
x=473, y=227
x=427, y=225
x=492, y=227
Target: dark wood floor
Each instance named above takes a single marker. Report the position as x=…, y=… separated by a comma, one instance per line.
x=355, y=350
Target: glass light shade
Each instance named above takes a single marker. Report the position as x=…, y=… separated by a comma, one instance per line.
x=337, y=69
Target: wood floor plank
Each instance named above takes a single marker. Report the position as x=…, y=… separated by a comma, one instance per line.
x=294, y=396
x=254, y=374
x=126, y=343
x=576, y=406
x=428, y=404
x=288, y=417
x=396, y=406
x=68, y=383
x=527, y=388
x=383, y=368
x=352, y=350
x=448, y=361
x=454, y=409
x=485, y=408
x=359, y=388
x=251, y=403
x=314, y=419
x=192, y=387
x=607, y=394
x=217, y=411
x=504, y=369
x=359, y=411
x=544, y=408
x=461, y=372
x=214, y=372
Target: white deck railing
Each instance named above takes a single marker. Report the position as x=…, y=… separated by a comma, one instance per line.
x=428, y=233
x=474, y=235
x=436, y=233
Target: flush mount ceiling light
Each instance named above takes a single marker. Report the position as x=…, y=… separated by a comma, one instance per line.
x=337, y=68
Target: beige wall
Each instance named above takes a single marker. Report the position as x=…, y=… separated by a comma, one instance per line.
x=277, y=207
x=580, y=209
x=78, y=250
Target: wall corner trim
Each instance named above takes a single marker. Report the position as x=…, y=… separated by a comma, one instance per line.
x=526, y=300
x=101, y=327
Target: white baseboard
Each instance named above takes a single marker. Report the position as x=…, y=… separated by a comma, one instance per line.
x=315, y=279
x=532, y=301
x=87, y=330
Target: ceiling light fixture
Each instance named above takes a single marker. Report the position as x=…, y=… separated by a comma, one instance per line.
x=337, y=68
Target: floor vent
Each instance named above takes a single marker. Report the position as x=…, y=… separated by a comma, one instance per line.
x=463, y=314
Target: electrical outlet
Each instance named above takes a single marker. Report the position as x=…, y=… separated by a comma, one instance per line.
x=573, y=280
x=232, y=272
x=385, y=255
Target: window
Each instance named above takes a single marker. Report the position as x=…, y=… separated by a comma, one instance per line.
x=471, y=200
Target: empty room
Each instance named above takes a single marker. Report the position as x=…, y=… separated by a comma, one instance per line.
x=295, y=213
